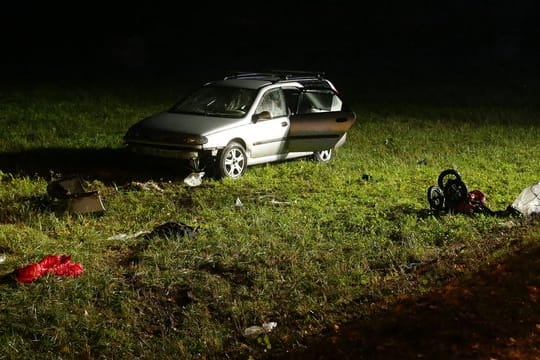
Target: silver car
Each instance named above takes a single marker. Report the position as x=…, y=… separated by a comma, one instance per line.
x=246, y=119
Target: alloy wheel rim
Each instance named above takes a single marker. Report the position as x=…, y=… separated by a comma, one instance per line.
x=234, y=163
x=325, y=154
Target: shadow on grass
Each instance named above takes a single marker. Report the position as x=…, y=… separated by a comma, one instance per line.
x=9, y=279
x=107, y=165
x=492, y=314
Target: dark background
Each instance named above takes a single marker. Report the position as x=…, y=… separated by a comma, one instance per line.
x=346, y=39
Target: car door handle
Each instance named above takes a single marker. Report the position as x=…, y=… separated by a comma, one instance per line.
x=341, y=119
x=284, y=123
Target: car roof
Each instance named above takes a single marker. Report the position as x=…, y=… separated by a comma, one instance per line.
x=244, y=83
x=256, y=80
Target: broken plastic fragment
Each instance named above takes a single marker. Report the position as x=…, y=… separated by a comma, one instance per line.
x=258, y=330
x=65, y=187
x=85, y=203
x=269, y=326
x=79, y=200
x=528, y=201
x=194, y=179
x=123, y=236
x=253, y=331
x=238, y=202
x=149, y=185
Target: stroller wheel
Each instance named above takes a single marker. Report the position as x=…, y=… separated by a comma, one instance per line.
x=447, y=176
x=435, y=198
x=455, y=192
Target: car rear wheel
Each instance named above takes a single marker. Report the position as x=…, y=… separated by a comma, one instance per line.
x=323, y=155
x=232, y=161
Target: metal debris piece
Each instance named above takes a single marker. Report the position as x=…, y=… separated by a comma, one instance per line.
x=65, y=187
x=78, y=200
x=85, y=203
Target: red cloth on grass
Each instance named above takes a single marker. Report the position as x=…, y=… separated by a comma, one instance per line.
x=60, y=265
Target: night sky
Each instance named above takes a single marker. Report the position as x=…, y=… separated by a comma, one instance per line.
x=342, y=37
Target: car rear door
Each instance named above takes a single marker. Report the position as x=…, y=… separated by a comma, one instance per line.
x=319, y=121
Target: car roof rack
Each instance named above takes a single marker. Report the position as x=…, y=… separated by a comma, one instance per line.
x=278, y=75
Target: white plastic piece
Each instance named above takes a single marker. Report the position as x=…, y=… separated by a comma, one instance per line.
x=528, y=202
x=194, y=179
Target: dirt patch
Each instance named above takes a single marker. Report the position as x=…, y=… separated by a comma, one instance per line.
x=493, y=315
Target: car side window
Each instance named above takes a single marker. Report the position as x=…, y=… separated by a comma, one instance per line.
x=313, y=101
x=291, y=98
x=273, y=102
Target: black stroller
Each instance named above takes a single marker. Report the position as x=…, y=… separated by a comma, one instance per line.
x=451, y=196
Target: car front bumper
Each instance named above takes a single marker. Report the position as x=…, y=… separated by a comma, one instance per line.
x=174, y=153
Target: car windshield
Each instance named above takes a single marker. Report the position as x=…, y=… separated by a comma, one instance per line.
x=223, y=101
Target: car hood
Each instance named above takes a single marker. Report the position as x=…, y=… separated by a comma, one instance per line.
x=188, y=123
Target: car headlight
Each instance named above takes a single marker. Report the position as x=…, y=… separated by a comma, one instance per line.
x=158, y=136
x=193, y=139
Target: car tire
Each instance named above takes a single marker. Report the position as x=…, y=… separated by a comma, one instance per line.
x=232, y=161
x=323, y=155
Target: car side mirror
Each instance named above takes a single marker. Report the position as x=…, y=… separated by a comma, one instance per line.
x=265, y=115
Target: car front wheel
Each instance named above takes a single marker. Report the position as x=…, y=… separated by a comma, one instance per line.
x=232, y=161
x=322, y=156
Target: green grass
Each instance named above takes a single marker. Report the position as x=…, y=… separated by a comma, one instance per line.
x=312, y=245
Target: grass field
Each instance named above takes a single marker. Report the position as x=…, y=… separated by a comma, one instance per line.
x=312, y=245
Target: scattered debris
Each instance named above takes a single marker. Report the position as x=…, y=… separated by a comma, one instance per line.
x=77, y=200
x=367, y=177
x=65, y=187
x=422, y=266
x=147, y=186
x=269, y=326
x=169, y=229
x=253, y=331
x=59, y=265
x=3, y=258
x=238, y=202
x=528, y=201
x=194, y=179
x=276, y=202
x=507, y=224
x=85, y=203
x=273, y=200
x=124, y=236
x=256, y=330
x=166, y=229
